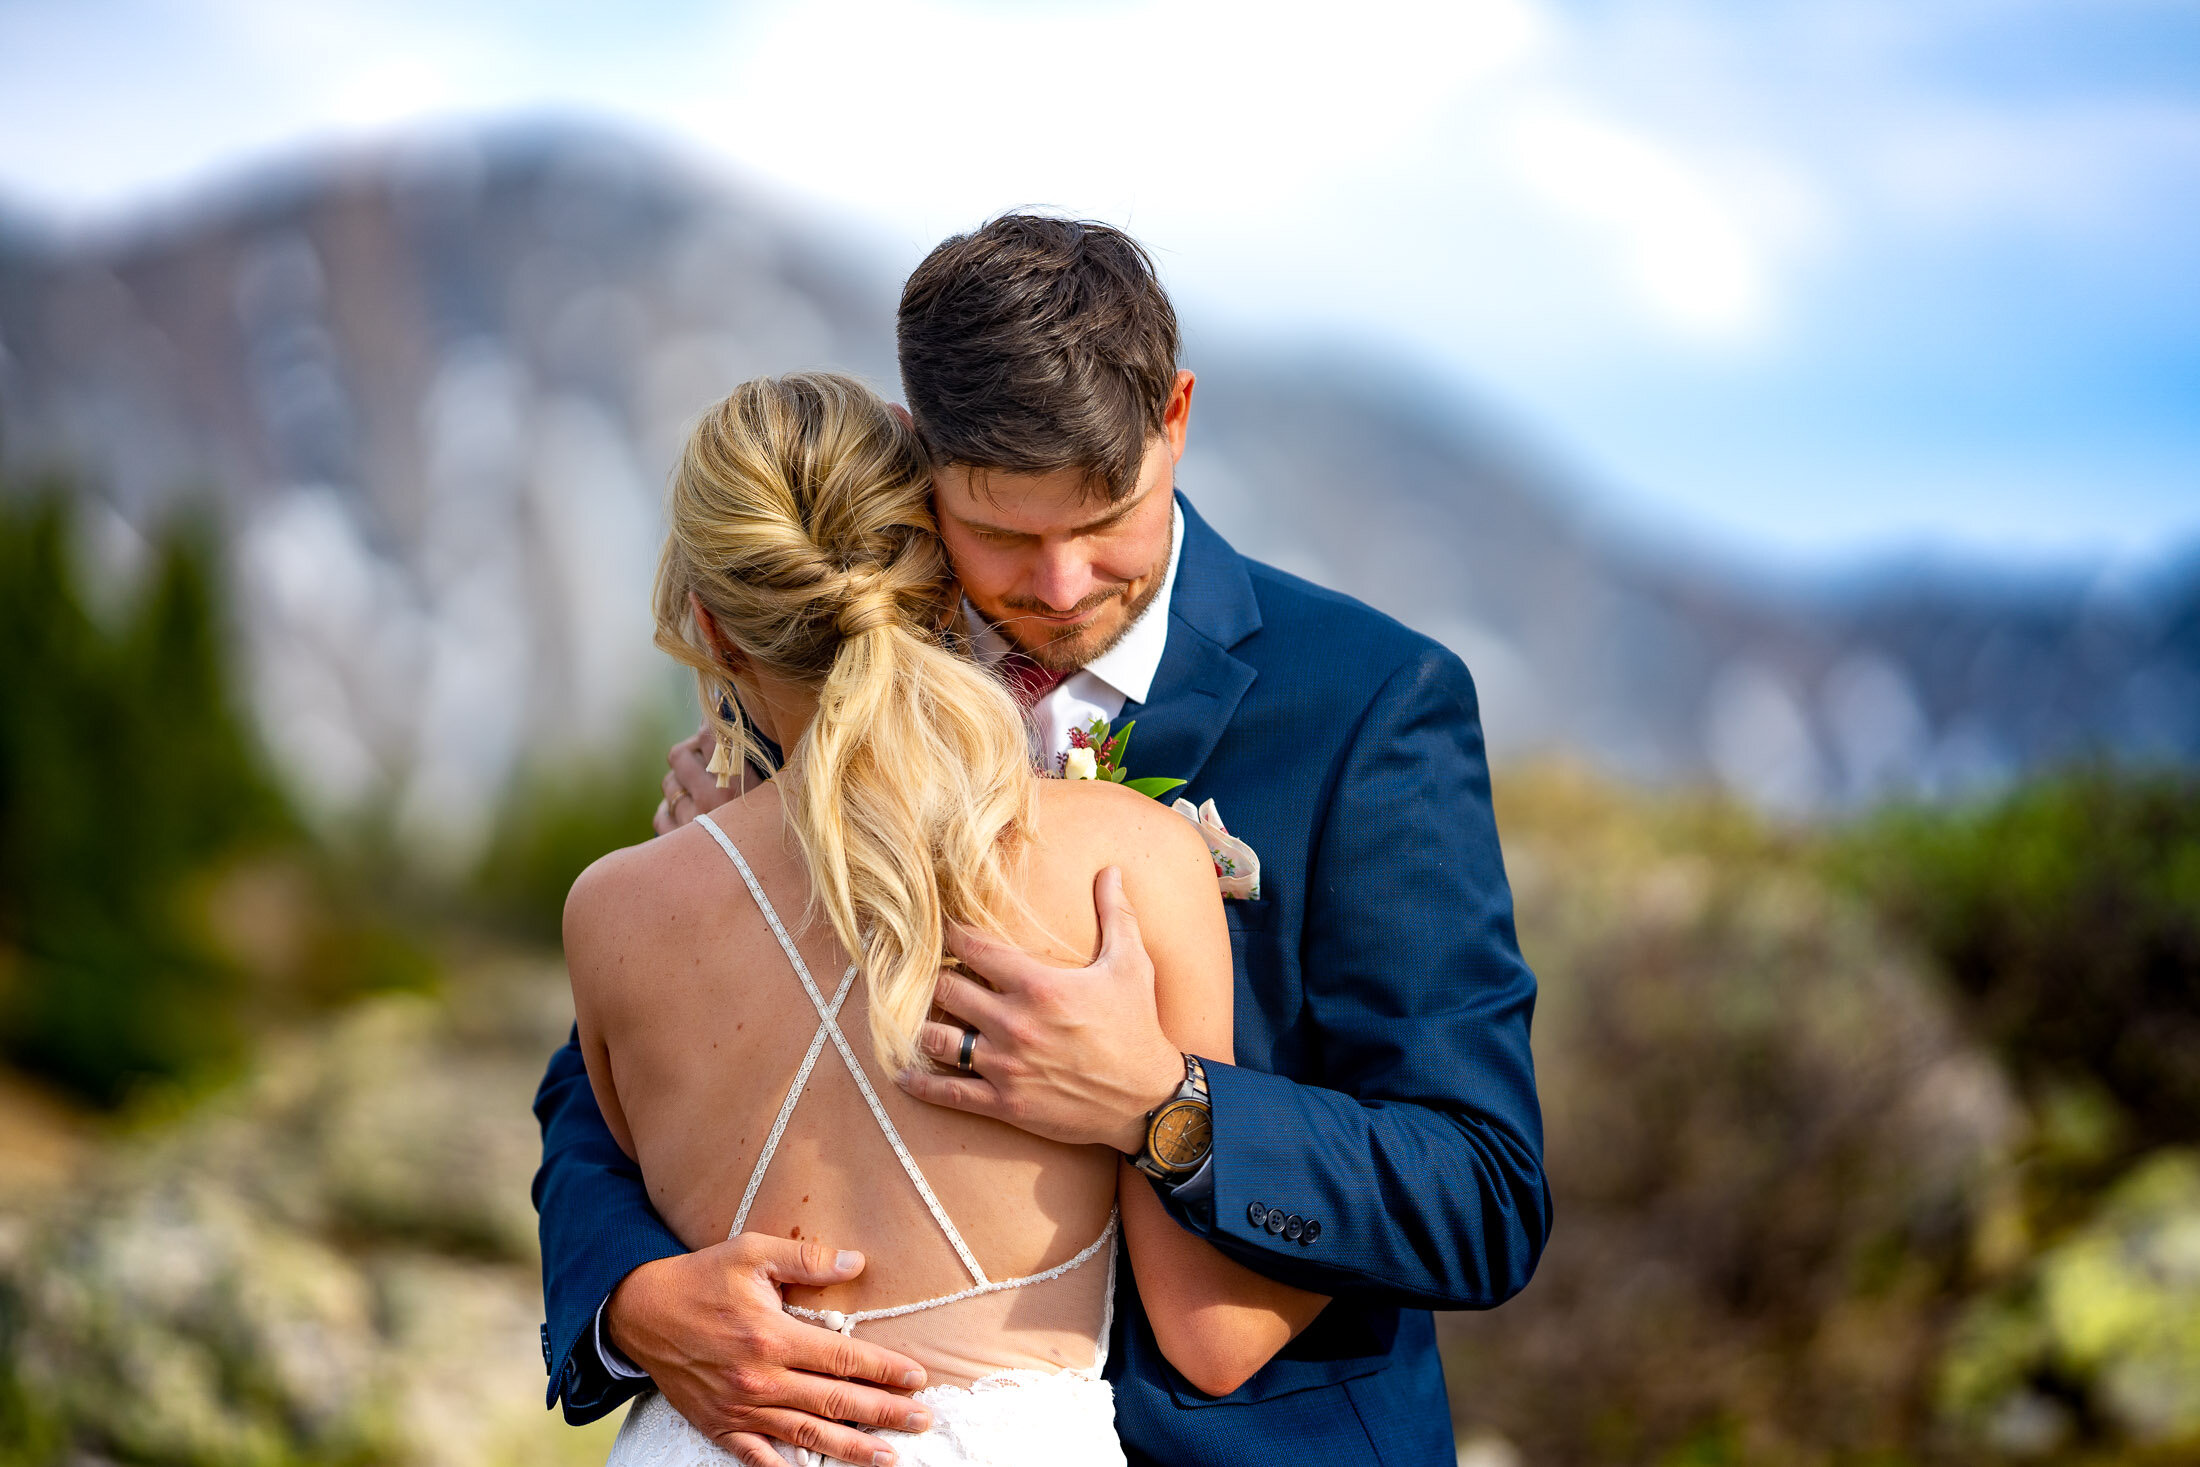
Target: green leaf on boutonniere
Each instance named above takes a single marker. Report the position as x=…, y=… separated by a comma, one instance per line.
x=1108, y=746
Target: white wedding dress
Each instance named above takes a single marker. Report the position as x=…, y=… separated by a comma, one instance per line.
x=1014, y=1418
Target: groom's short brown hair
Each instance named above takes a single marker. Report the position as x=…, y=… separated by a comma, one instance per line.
x=1037, y=344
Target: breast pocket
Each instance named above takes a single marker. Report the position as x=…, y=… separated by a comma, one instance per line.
x=1255, y=950
x=1255, y=915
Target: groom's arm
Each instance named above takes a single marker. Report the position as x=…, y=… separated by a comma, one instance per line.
x=1419, y=1152
x=597, y=1227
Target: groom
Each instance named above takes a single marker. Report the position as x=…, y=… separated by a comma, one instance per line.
x=1376, y=1135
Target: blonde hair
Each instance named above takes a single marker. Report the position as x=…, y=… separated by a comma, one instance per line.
x=800, y=517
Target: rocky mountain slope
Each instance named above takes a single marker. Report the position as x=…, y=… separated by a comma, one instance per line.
x=333, y=1262
x=434, y=393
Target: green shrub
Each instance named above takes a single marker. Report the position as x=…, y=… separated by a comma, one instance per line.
x=124, y=773
x=2067, y=915
x=558, y=819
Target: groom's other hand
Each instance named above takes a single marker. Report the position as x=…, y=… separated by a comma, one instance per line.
x=689, y=787
x=708, y=1328
x=1072, y=1054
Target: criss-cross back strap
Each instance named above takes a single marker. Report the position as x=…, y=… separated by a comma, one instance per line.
x=828, y=1027
x=846, y=1322
x=786, y=1108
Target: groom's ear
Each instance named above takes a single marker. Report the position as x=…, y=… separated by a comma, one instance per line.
x=902, y=413
x=1176, y=417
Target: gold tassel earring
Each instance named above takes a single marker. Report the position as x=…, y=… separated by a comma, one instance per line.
x=721, y=764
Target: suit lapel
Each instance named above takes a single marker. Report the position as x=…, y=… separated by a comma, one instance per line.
x=1199, y=684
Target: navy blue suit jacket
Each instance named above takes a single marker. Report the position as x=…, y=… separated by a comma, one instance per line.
x=1382, y=1085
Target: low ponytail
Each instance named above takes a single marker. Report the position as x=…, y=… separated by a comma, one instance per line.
x=800, y=518
x=901, y=792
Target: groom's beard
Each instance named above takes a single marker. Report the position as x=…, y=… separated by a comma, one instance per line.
x=1067, y=650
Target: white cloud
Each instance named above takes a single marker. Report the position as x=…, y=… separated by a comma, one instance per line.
x=1566, y=203
x=1689, y=254
x=1217, y=126
x=1226, y=102
x=1265, y=135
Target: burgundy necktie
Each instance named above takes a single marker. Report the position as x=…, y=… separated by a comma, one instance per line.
x=1027, y=679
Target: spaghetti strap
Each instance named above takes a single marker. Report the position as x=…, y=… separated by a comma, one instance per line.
x=828, y=1027
x=786, y=1110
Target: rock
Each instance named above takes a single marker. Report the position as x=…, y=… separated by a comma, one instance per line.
x=174, y=1324
x=333, y=1262
x=2111, y=1315
x=399, y=1147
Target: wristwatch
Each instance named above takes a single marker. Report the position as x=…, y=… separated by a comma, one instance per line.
x=1180, y=1132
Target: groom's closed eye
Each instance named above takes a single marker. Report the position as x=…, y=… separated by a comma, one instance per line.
x=1112, y=519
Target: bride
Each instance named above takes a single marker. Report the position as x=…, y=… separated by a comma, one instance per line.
x=748, y=986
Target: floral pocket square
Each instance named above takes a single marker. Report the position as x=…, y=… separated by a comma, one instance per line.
x=1236, y=866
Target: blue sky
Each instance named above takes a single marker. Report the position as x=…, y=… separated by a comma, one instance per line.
x=1807, y=278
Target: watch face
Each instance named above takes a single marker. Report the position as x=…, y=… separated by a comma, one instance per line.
x=1182, y=1134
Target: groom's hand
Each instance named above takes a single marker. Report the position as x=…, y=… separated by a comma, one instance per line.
x=688, y=786
x=1071, y=1054
x=708, y=1328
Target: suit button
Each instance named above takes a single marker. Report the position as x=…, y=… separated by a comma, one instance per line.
x=1256, y=1214
x=1313, y=1231
x=1293, y=1226
x=1275, y=1220
x=546, y=1362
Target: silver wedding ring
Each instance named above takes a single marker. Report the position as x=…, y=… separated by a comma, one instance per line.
x=970, y=1042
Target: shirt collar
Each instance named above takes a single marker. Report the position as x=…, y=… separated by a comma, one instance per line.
x=1130, y=665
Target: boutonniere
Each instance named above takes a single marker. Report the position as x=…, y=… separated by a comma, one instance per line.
x=1096, y=752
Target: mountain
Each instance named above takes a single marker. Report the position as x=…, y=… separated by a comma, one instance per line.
x=433, y=392
x=1662, y=663
x=433, y=396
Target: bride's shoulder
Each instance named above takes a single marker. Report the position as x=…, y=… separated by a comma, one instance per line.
x=1106, y=824
x=633, y=886
x=1085, y=826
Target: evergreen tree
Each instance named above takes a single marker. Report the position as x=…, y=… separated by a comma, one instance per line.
x=125, y=774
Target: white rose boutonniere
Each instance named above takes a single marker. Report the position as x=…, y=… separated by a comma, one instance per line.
x=1097, y=753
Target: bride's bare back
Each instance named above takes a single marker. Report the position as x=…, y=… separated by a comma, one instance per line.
x=694, y=1025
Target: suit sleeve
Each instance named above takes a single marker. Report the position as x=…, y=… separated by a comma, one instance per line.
x=597, y=1227
x=1418, y=1151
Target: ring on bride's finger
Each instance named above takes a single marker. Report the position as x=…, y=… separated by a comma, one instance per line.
x=962, y=1061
